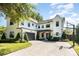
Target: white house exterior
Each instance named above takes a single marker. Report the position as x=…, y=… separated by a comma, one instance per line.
x=33, y=29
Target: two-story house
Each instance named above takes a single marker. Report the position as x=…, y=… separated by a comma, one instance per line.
x=43, y=29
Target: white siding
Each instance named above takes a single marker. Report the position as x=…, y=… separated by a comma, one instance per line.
x=33, y=28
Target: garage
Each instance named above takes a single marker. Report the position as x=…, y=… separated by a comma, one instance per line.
x=31, y=36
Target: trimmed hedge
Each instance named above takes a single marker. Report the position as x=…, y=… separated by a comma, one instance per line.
x=8, y=41
x=6, y=48
x=3, y=36
x=54, y=39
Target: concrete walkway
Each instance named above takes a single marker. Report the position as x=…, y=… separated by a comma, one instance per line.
x=41, y=48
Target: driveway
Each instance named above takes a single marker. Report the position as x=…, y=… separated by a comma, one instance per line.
x=43, y=48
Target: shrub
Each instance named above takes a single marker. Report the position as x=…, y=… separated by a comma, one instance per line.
x=49, y=38
x=55, y=38
x=3, y=36
x=17, y=37
x=64, y=35
x=8, y=41
x=25, y=37
x=77, y=38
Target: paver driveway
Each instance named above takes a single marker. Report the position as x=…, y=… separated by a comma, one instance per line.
x=41, y=48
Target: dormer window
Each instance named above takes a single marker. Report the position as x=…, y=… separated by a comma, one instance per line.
x=57, y=23
x=11, y=23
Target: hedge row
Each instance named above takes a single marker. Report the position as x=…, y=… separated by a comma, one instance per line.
x=17, y=38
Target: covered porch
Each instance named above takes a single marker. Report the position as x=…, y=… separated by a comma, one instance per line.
x=44, y=34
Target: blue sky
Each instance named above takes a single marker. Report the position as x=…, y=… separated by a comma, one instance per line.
x=49, y=10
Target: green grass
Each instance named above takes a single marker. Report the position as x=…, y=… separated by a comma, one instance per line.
x=6, y=48
x=76, y=47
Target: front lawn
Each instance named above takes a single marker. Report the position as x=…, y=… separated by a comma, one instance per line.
x=6, y=48
x=76, y=47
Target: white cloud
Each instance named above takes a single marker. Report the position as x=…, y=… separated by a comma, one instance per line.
x=65, y=10
x=53, y=4
x=68, y=6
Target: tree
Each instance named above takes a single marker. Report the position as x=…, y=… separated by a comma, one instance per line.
x=3, y=36
x=77, y=33
x=64, y=35
x=37, y=16
x=17, y=11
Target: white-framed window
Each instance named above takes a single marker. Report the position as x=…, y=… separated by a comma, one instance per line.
x=42, y=26
x=57, y=33
x=11, y=23
x=28, y=24
x=57, y=23
x=39, y=26
x=11, y=34
x=32, y=24
x=47, y=25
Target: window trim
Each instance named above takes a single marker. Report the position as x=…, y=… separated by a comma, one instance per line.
x=11, y=33
x=11, y=23
x=57, y=33
x=42, y=26
x=57, y=23
x=39, y=26
x=47, y=25
x=22, y=23
x=28, y=24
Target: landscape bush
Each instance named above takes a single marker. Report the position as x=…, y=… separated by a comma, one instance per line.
x=3, y=36
x=25, y=37
x=17, y=37
x=64, y=36
x=54, y=38
x=12, y=40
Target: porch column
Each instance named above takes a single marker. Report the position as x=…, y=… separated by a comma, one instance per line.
x=35, y=36
x=45, y=36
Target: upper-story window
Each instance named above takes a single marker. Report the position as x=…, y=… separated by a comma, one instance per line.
x=57, y=23
x=47, y=25
x=11, y=23
x=22, y=23
x=28, y=24
x=32, y=24
x=57, y=33
x=42, y=26
x=38, y=26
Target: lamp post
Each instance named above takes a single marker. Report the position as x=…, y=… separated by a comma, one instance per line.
x=73, y=32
